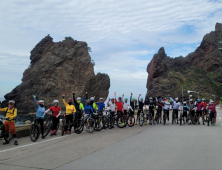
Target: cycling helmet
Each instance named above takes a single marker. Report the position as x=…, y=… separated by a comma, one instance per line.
x=55, y=101
x=88, y=101
x=184, y=102
x=11, y=101
x=141, y=99
x=41, y=101
x=203, y=99
x=133, y=99
x=112, y=98
x=92, y=99
x=119, y=98
x=199, y=100
x=69, y=100
x=151, y=98
x=160, y=99
x=78, y=98
x=176, y=99
x=126, y=99
x=191, y=100
x=100, y=98
x=211, y=101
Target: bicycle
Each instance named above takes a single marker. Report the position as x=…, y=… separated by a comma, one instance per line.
x=130, y=120
x=63, y=125
x=89, y=123
x=6, y=137
x=141, y=118
x=189, y=118
x=174, y=116
x=195, y=117
x=98, y=121
x=47, y=125
x=209, y=118
x=111, y=119
x=34, y=131
x=149, y=117
x=77, y=119
x=164, y=117
x=158, y=116
x=121, y=120
x=181, y=117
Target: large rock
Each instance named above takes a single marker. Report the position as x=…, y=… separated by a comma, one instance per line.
x=198, y=71
x=58, y=68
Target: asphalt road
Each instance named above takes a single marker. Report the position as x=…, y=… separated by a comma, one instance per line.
x=146, y=147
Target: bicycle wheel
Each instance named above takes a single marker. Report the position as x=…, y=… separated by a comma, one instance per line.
x=181, y=120
x=104, y=122
x=130, y=120
x=47, y=127
x=98, y=124
x=63, y=126
x=141, y=120
x=208, y=121
x=110, y=122
x=164, y=119
x=7, y=137
x=34, y=132
x=120, y=122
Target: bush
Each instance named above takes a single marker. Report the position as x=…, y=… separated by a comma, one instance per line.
x=69, y=38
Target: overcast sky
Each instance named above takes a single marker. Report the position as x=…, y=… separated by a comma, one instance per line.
x=123, y=35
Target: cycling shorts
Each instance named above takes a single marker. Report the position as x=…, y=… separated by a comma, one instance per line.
x=112, y=113
x=199, y=113
x=69, y=118
x=175, y=112
x=184, y=114
x=192, y=113
x=152, y=113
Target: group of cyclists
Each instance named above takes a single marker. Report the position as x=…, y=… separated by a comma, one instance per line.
x=85, y=107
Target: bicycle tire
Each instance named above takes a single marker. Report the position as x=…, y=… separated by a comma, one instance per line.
x=208, y=122
x=130, y=121
x=47, y=127
x=9, y=137
x=181, y=120
x=98, y=124
x=119, y=122
x=63, y=126
x=173, y=118
x=141, y=119
x=164, y=119
x=35, y=131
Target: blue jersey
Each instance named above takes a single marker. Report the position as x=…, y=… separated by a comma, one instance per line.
x=40, y=112
x=88, y=108
x=100, y=106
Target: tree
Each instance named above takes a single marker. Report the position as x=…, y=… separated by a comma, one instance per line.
x=89, y=49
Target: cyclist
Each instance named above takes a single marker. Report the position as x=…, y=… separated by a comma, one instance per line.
x=176, y=107
x=92, y=103
x=125, y=106
x=119, y=105
x=185, y=109
x=9, y=123
x=192, y=106
x=160, y=107
x=56, y=111
x=141, y=104
x=204, y=103
x=212, y=107
x=88, y=109
x=112, y=107
x=40, y=113
x=79, y=109
x=70, y=110
x=151, y=109
x=101, y=105
x=199, y=111
x=132, y=105
x=167, y=108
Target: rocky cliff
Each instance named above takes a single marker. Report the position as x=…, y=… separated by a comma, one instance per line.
x=58, y=68
x=199, y=71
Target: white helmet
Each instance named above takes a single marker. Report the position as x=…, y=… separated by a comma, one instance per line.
x=191, y=100
x=203, y=99
x=151, y=98
x=211, y=101
x=78, y=98
x=184, y=102
x=92, y=99
x=100, y=98
x=176, y=99
x=55, y=101
x=11, y=101
x=41, y=101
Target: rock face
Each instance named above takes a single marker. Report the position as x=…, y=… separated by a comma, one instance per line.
x=199, y=71
x=56, y=69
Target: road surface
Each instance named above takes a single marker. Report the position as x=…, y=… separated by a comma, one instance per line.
x=146, y=147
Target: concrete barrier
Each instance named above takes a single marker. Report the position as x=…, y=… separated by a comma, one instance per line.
x=22, y=130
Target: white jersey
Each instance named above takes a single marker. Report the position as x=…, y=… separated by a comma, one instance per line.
x=112, y=106
x=166, y=105
x=176, y=105
x=125, y=106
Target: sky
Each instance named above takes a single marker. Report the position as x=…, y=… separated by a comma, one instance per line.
x=123, y=35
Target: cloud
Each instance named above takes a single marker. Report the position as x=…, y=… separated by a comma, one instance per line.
x=123, y=35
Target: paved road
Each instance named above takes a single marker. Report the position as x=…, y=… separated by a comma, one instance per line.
x=147, y=147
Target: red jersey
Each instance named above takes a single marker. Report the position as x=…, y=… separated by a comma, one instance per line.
x=204, y=105
x=55, y=110
x=119, y=105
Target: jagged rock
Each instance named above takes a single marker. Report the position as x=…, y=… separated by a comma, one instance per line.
x=198, y=71
x=58, y=68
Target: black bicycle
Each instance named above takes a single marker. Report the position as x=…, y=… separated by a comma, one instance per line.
x=121, y=120
x=78, y=126
x=209, y=118
x=98, y=121
x=130, y=120
x=189, y=118
x=111, y=119
x=174, y=116
x=181, y=117
x=7, y=137
x=195, y=117
x=165, y=117
x=47, y=125
x=34, y=131
x=158, y=116
x=141, y=118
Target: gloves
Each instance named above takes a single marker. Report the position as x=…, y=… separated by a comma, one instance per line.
x=43, y=115
x=7, y=118
x=34, y=96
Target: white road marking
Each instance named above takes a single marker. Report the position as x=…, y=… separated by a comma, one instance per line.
x=6, y=150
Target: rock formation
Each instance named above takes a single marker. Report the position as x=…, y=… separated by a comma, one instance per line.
x=58, y=68
x=199, y=71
